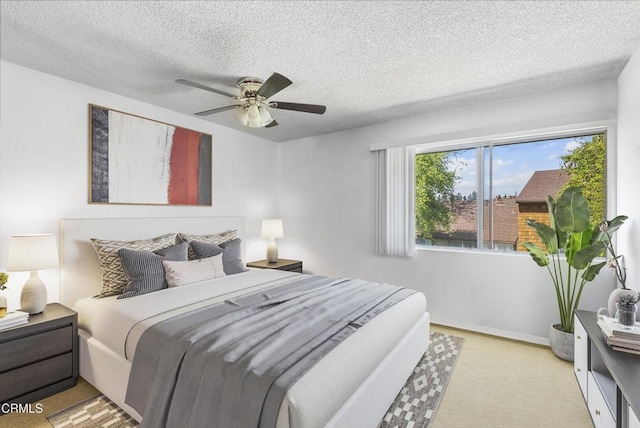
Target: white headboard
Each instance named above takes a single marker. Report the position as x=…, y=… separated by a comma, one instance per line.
x=80, y=273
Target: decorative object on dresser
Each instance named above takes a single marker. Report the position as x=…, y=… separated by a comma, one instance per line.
x=281, y=264
x=272, y=228
x=570, y=229
x=3, y=300
x=39, y=358
x=13, y=319
x=135, y=160
x=620, y=337
x=617, y=263
x=627, y=310
x=607, y=378
x=31, y=253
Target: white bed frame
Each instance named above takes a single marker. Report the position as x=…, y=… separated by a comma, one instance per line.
x=80, y=276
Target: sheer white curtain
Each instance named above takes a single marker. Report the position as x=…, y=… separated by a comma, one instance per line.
x=395, y=201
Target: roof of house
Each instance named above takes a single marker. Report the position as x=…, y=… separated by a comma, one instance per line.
x=541, y=184
x=464, y=224
x=505, y=221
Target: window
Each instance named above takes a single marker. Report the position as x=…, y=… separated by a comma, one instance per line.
x=481, y=197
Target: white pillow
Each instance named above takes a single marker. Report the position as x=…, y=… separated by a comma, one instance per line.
x=181, y=273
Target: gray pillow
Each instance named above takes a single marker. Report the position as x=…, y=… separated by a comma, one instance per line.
x=231, y=254
x=144, y=270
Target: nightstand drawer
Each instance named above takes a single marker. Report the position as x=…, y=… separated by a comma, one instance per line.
x=21, y=381
x=293, y=268
x=280, y=264
x=36, y=347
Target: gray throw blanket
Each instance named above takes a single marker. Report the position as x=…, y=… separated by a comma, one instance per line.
x=230, y=364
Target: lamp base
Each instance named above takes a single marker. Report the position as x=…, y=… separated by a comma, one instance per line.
x=272, y=252
x=33, y=297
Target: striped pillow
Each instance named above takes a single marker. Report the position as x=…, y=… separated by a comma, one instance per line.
x=182, y=273
x=144, y=270
x=113, y=278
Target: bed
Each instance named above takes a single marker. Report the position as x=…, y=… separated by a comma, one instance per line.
x=352, y=385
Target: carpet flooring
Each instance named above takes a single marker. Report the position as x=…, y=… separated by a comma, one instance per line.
x=414, y=407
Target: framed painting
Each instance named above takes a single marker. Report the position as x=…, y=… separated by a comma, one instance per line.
x=135, y=160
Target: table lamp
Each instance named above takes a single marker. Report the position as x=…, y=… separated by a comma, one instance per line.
x=272, y=228
x=30, y=253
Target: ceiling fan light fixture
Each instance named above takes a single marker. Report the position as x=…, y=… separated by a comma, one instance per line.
x=253, y=110
x=242, y=116
x=265, y=117
x=253, y=116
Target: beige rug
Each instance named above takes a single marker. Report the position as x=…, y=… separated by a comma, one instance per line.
x=94, y=412
x=414, y=407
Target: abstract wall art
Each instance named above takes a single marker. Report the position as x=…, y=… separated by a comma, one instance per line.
x=135, y=160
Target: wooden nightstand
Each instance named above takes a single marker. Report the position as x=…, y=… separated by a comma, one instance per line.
x=281, y=264
x=39, y=358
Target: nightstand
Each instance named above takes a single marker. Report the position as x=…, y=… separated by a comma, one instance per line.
x=39, y=358
x=281, y=264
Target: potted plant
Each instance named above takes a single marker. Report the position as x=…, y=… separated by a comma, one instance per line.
x=572, y=243
x=627, y=309
x=3, y=300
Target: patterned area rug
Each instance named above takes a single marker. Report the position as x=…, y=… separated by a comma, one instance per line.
x=417, y=403
x=414, y=407
x=97, y=411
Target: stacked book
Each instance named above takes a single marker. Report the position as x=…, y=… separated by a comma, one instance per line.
x=13, y=319
x=619, y=338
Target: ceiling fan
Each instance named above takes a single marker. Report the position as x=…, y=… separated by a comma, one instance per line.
x=253, y=110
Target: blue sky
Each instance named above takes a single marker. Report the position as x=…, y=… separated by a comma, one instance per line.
x=514, y=164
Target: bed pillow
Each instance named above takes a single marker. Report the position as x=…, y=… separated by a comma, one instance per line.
x=144, y=270
x=113, y=278
x=182, y=273
x=217, y=239
x=231, y=254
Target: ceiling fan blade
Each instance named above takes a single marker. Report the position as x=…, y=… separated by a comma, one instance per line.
x=272, y=124
x=306, y=108
x=273, y=85
x=215, y=110
x=206, y=88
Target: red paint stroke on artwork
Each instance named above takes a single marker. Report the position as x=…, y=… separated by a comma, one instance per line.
x=183, y=184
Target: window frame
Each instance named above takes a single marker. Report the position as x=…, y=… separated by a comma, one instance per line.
x=607, y=127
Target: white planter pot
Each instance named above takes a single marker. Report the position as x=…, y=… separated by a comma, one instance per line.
x=561, y=343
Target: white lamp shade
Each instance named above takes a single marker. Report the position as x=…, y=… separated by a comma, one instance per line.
x=32, y=252
x=272, y=228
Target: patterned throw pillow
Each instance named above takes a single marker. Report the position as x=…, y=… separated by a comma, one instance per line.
x=113, y=278
x=217, y=239
x=182, y=273
x=144, y=269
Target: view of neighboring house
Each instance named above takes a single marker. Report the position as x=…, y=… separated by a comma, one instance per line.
x=510, y=215
x=532, y=202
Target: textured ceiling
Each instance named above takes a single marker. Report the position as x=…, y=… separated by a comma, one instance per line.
x=368, y=62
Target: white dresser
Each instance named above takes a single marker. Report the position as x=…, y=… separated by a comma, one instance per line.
x=609, y=380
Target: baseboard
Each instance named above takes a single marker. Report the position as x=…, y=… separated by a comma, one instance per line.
x=492, y=331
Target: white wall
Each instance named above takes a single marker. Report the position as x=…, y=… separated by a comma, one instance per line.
x=628, y=166
x=44, y=165
x=326, y=198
